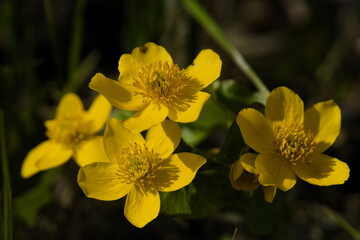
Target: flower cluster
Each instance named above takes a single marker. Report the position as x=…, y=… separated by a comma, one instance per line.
x=135, y=157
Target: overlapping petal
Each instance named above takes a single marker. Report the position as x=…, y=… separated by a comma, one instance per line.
x=256, y=130
x=90, y=151
x=269, y=193
x=49, y=154
x=69, y=104
x=248, y=162
x=118, y=94
x=46, y=155
x=142, y=205
x=177, y=171
x=130, y=64
x=145, y=119
x=98, y=113
x=117, y=136
x=205, y=68
x=100, y=181
x=322, y=170
x=164, y=138
x=323, y=120
x=235, y=172
x=275, y=172
x=283, y=105
x=190, y=112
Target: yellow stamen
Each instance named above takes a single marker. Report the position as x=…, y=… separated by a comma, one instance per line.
x=294, y=143
x=164, y=82
x=137, y=164
x=69, y=130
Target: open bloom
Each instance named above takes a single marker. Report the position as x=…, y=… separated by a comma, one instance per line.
x=155, y=88
x=139, y=168
x=291, y=142
x=71, y=134
x=244, y=176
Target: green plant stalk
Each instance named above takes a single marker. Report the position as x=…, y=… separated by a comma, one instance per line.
x=199, y=13
x=342, y=223
x=75, y=45
x=51, y=28
x=6, y=190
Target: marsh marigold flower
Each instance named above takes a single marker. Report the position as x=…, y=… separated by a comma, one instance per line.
x=291, y=142
x=153, y=86
x=139, y=168
x=244, y=176
x=71, y=134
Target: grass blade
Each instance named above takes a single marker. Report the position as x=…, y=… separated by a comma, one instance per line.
x=200, y=15
x=6, y=190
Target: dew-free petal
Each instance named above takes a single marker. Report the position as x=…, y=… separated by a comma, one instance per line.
x=275, y=172
x=177, y=171
x=164, y=138
x=100, y=181
x=142, y=205
x=322, y=170
x=323, y=120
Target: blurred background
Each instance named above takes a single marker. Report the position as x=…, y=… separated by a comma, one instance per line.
x=51, y=47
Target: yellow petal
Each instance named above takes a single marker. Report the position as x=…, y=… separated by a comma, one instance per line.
x=145, y=119
x=69, y=103
x=177, y=171
x=117, y=136
x=44, y=156
x=235, y=172
x=284, y=105
x=191, y=112
x=256, y=130
x=130, y=64
x=99, y=112
x=206, y=67
x=275, y=172
x=164, y=138
x=269, y=193
x=142, y=205
x=248, y=162
x=323, y=170
x=90, y=151
x=100, y=181
x=242, y=179
x=324, y=120
x=119, y=95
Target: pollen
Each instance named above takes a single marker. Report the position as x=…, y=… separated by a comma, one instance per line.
x=293, y=143
x=163, y=82
x=137, y=164
x=69, y=130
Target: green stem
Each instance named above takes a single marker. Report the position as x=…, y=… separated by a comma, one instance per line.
x=7, y=214
x=342, y=223
x=75, y=45
x=50, y=23
x=199, y=13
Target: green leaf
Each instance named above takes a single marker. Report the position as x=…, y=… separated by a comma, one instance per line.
x=233, y=146
x=211, y=116
x=209, y=191
x=29, y=203
x=261, y=217
x=236, y=97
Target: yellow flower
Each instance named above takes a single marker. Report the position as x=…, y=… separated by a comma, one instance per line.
x=139, y=168
x=244, y=176
x=155, y=88
x=291, y=142
x=71, y=134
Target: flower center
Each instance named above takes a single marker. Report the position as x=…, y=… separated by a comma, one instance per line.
x=137, y=164
x=69, y=130
x=164, y=82
x=293, y=143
